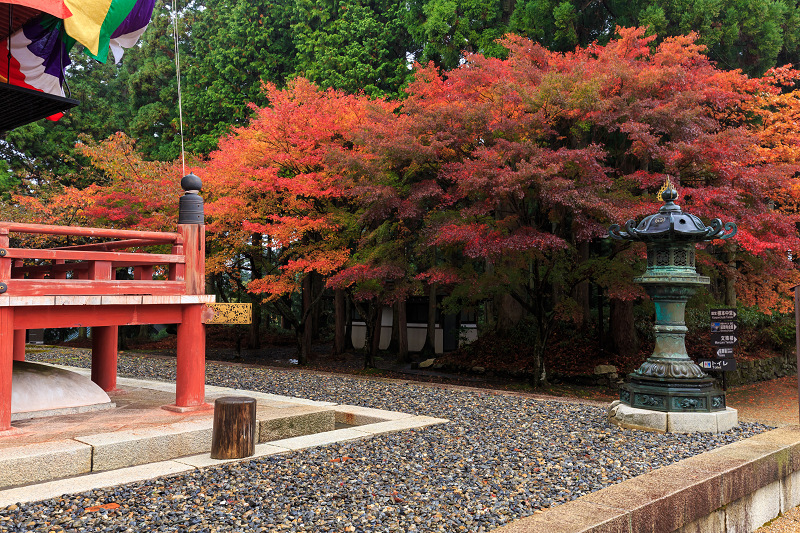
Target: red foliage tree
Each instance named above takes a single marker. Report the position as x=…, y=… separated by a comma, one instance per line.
x=278, y=195
x=514, y=163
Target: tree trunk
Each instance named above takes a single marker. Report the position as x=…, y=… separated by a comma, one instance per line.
x=285, y=323
x=306, y=337
x=254, y=334
x=316, y=311
x=509, y=312
x=402, y=333
x=730, y=280
x=429, y=349
x=368, y=315
x=583, y=289
x=623, y=331
x=339, y=321
x=394, y=342
x=377, y=326
x=254, y=329
x=348, y=329
x=601, y=326
x=144, y=332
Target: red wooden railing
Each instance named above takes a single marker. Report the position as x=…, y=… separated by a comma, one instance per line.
x=90, y=269
x=166, y=288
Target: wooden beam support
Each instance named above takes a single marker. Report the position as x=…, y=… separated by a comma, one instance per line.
x=72, y=255
x=104, y=357
x=44, y=229
x=19, y=344
x=82, y=286
x=73, y=316
x=191, y=371
x=6, y=365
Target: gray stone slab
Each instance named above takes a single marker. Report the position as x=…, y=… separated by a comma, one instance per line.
x=633, y=418
x=320, y=439
x=44, y=461
x=205, y=460
x=52, y=489
x=356, y=416
x=716, y=422
x=754, y=510
x=279, y=398
x=128, y=448
x=63, y=411
x=300, y=420
x=401, y=424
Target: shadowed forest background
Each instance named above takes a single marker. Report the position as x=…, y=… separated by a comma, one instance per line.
x=448, y=160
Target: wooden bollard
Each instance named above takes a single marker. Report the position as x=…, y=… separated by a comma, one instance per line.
x=234, y=430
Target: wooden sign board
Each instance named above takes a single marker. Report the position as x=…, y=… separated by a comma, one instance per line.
x=222, y=313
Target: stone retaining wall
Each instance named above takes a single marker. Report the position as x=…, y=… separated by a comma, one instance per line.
x=762, y=370
x=734, y=489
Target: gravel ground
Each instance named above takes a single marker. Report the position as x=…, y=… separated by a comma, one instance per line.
x=501, y=457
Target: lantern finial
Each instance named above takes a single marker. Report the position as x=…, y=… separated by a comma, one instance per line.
x=667, y=186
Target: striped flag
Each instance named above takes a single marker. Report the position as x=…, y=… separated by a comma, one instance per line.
x=39, y=52
x=38, y=56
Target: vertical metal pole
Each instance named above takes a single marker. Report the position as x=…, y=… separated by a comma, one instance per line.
x=797, y=338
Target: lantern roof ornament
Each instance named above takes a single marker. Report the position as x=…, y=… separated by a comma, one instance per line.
x=670, y=223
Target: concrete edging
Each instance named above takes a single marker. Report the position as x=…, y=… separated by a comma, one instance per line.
x=735, y=488
x=41, y=470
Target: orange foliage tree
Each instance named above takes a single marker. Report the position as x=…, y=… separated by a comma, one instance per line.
x=279, y=198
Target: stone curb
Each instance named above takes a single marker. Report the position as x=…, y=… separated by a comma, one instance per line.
x=101, y=460
x=738, y=487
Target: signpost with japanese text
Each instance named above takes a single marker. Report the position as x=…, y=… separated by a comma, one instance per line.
x=724, y=337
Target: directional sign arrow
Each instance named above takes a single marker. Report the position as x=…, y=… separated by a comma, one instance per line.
x=724, y=352
x=719, y=338
x=723, y=314
x=726, y=327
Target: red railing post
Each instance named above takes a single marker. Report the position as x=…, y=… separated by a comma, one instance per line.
x=6, y=339
x=191, y=357
x=6, y=365
x=5, y=262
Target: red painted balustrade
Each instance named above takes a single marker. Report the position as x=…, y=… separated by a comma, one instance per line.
x=78, y=286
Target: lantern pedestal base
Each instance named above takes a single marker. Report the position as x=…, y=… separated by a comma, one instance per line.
x=628, y=417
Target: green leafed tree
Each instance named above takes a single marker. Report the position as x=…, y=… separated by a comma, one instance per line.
x=352, y=45
x=752, y=35
x=444, y=29
x=236, y=46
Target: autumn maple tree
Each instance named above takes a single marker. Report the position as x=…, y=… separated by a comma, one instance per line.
x=279, y=199
x=515, y=166
x=126, y=191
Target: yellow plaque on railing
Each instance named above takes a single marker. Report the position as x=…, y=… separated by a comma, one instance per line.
x=222, y=313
